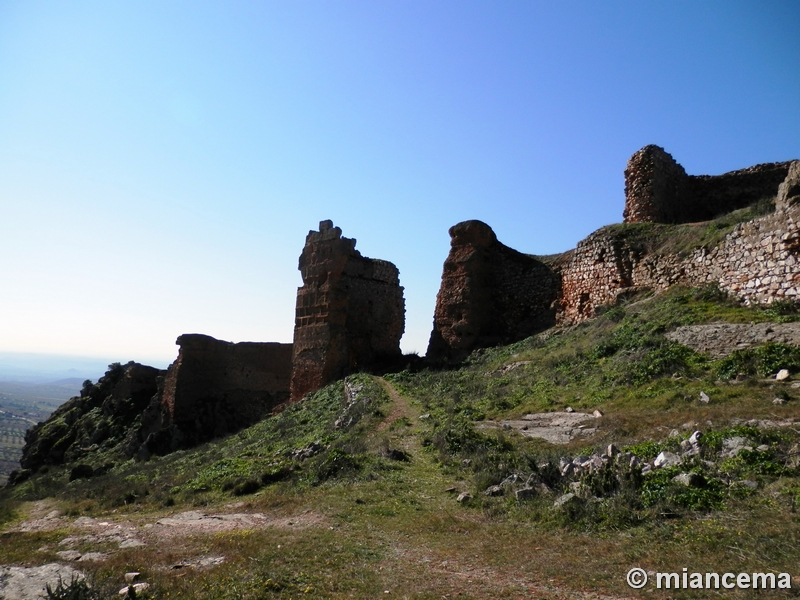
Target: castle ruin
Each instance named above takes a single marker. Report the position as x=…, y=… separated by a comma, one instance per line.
x=350, y=312
x=490, y=294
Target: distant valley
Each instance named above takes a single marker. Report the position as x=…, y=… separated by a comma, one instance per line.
x=23, y=405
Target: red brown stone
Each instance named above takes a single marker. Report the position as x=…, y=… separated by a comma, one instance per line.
x=490, y=294
x=212, y=389
x=350, y=312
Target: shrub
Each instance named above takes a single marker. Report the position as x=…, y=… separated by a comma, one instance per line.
x=76, y=589
x=763, y=361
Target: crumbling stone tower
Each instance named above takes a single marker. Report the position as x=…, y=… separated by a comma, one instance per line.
x=350, y=312
x=658, y=190
x=490, y=294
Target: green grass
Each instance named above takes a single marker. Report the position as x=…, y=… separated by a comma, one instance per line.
x=381, y=524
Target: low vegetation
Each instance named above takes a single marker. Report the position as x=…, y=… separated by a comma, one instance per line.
x=359, y=484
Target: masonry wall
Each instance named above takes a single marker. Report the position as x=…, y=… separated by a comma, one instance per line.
x=758, y=262
x=490, y=294
x=350, y=312
x=658, y=190
x=212, y=389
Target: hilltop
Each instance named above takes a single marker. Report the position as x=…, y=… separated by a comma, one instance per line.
x=631, y=402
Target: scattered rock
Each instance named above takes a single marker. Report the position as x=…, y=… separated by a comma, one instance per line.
x=732, y=446
x=511, y=480
x=597, y=413
x=69, y=555
x=138, y=588
x=93, y=557
x=704, y=398
x=569, y=409
x=512, y=366
x=464, y=497
x=778, y=401
x=666, y=459
x=308, y=451
x=130, y=543
x=201, y=563
x=565, y=500
x=19, y=583
x=782, y=375
x=493, y=490
x=690, y=479
x=132, y=576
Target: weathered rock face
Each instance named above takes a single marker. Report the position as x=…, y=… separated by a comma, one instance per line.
x=721, y=339
x=97, y=419
x=789, y=190
x=350, y=311
x=658, y=190
x=212, y=389
x=490, y=294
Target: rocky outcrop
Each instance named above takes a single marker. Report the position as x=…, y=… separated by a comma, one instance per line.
x=350, y=311
x=97, y=420
x=490, y=294
x=212, y=389
x=789, y=190
x=721, y=339
x=658, y=190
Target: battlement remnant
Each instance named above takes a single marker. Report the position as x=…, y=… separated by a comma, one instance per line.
x=350, y=311
x=658, y=190
x=490, y=294
x=212, y=389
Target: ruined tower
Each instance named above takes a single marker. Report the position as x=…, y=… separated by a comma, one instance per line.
x=490, y=294
x=350, y=312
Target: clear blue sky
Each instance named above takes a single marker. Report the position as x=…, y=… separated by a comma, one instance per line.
x=162, y=162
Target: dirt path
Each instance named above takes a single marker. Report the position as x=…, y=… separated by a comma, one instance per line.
x=400, y=406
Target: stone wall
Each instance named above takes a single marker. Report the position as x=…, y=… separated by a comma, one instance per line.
x=212, y=389
x=601, y=268
x=757, y=262
x=655, y=186
x=490, y=294
x=658, y=190
x=350, y=312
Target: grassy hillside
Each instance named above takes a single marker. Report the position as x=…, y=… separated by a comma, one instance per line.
x=354, y=493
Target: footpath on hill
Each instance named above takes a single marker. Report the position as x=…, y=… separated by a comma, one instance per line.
x=419, y=541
